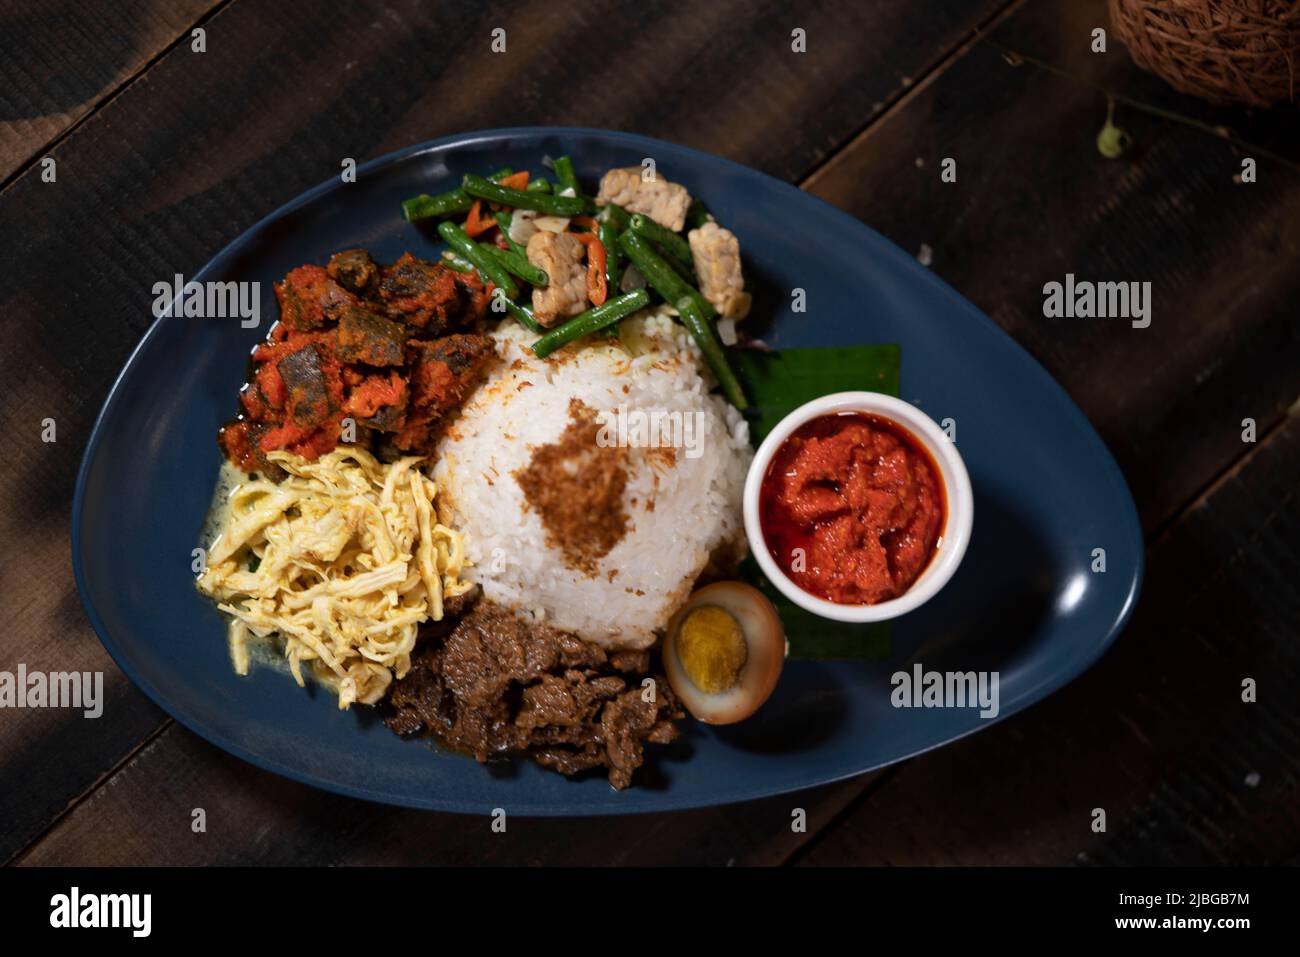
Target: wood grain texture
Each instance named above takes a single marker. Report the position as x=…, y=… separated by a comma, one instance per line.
x=1156, y=734
x=63, y=57
x=253, y=817
x=203, y=145
x=1034, y=200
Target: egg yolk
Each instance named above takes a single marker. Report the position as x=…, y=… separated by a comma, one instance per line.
x=711, y=648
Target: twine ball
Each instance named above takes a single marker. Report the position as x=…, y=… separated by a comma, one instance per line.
x=1224, y=51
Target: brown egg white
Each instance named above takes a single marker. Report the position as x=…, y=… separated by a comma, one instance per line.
x=724, y=651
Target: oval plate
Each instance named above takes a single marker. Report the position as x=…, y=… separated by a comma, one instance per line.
x=1024, y=603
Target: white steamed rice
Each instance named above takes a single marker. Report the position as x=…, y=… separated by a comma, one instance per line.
x=696, y=513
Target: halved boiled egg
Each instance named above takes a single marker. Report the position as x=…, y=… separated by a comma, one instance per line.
x=724, y=651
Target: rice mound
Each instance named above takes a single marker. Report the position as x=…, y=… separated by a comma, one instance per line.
x=683, y=511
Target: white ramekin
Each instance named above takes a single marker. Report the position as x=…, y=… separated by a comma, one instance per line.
x=954, y=537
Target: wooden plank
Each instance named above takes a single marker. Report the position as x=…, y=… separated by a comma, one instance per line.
x=63, y=59
x=1156, y=734
x=203, y=145
x=1034, y=200
x=253, y=817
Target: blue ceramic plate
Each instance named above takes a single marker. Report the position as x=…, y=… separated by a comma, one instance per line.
x=1024, y=602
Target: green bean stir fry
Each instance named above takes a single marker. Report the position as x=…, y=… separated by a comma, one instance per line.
x=511, y=228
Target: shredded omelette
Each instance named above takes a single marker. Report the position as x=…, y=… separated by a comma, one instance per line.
x=342, y=560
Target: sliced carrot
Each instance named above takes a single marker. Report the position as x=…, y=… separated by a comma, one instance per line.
x=585, y=221
x=516, y=180
x=596, y=289
x=477, y=224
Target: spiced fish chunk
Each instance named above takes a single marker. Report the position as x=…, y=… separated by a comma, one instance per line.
x=309, y=403
x=366, y=337
x=354, y=270
x=560, y=255
x=664, y=202
x=717, y=265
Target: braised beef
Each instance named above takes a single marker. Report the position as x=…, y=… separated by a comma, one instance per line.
x=496, y=685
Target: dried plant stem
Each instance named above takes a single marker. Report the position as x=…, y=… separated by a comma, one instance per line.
x=1015, y=58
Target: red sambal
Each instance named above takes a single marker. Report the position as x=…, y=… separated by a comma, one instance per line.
x=852, y=508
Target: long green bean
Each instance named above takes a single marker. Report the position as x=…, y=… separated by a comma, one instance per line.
x=451, y=203
x=489, y=267
x=671, y=243
x=565, y=177
x=702, y=331
x=597, y=317
x=521, y=199
x=608, y=237
x=517, y=265
x=615, y=215
x=504, y=218
x=456, y=263
x=611, y=222
x=686, y=272
x=696, y=312
x=697, y=215
x=658, y=273
x=524, y=316
x=424, y=206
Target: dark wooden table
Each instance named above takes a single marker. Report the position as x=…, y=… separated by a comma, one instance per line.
x=164, y=154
